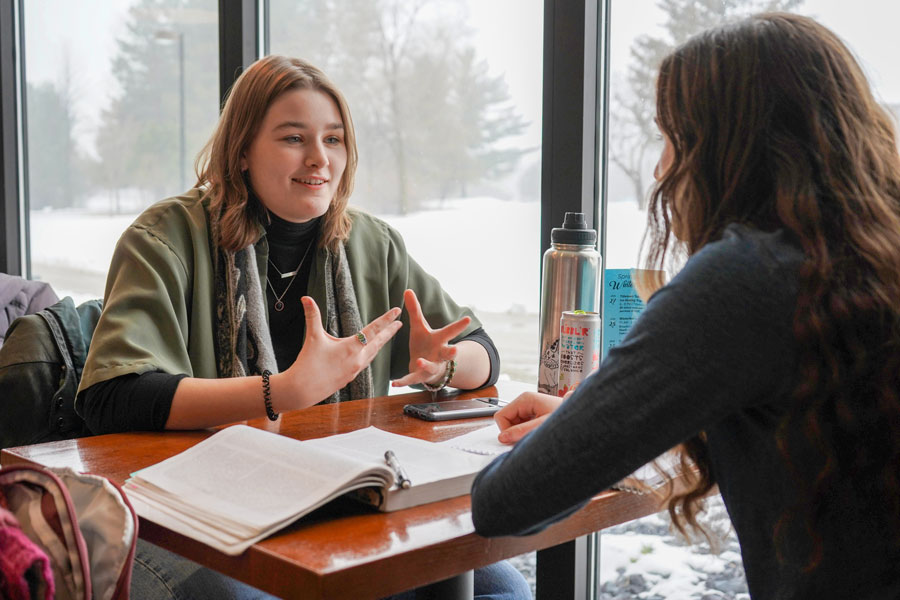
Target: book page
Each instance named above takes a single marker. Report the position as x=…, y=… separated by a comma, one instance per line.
x=484, y=442
x=251, y=476
x=481, y=441
x=424, y=462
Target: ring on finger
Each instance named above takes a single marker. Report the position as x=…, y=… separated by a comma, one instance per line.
x=362, y=338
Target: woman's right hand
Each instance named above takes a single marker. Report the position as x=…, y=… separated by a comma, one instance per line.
x=326, y=363
x=525, y=414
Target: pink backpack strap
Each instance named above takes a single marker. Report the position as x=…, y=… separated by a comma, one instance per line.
x=25, y=571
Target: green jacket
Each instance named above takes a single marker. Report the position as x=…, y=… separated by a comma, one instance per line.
x=158, y=303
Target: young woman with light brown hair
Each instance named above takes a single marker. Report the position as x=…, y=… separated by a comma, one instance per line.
x=220, y=164
x=772, y=359
x=249, y=295
x=214, y=288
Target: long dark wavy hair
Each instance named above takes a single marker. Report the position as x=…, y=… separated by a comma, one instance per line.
x=774, y=126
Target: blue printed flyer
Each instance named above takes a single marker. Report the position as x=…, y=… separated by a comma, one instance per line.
x=621, y=306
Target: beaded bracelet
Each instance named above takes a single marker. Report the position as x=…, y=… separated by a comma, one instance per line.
x=448, y=375
x=267, y=396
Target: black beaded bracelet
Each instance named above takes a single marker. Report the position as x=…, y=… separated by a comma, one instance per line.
x=449, y=370
x=267, y=396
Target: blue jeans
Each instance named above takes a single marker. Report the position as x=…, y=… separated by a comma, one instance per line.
x=161, y=575
x=499, y=581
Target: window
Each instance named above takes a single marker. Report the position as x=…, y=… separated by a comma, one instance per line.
x=643, y=558
x=636, y=49
x=120, y=97
x=446, y=99
x=446, y=95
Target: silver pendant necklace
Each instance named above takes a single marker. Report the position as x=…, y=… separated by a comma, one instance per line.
x=279, y=305
x=284, y=275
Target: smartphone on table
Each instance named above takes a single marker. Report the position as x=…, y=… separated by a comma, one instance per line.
x=453, y=409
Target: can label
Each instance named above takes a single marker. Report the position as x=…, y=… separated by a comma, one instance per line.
x=548, y=377
x=579, y=348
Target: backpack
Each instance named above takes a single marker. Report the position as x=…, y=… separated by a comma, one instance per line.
x=82, y=524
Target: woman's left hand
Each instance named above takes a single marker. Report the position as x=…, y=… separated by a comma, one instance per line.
x=429, y=349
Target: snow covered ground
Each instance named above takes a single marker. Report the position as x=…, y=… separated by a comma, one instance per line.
x=485, y=251
x=644, y=560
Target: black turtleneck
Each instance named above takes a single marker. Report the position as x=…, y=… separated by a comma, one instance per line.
x=288, y=244
x=292, y=247
x=135, y=402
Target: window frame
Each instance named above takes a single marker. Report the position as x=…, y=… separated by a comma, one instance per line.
x=573, y=179
x=13, y=217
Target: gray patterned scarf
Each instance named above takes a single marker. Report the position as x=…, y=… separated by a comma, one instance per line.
x=344, y=320
x=243, y=341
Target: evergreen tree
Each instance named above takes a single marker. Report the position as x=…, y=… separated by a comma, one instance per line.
x=430, y=118
x=139, y=138
x=55, y=166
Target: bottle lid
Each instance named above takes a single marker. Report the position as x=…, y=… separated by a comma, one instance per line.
x=573, y=231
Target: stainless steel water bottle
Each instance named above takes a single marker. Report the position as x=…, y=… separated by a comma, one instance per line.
x=570, y=281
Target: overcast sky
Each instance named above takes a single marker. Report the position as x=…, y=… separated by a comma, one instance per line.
x=868, y=27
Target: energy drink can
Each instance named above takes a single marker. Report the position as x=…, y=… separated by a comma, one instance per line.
x=579, y=348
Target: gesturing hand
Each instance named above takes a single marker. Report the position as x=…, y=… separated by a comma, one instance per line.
x=429, y=348
x=326, y=363
x=524, y=414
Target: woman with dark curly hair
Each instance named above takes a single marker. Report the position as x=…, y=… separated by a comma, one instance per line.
x=772, y=357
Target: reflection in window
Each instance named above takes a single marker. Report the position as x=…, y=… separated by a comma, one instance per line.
x=446, y=99
x=119, y=98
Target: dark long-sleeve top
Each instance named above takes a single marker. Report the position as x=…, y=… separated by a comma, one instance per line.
x=143, y=401
x=713, y=351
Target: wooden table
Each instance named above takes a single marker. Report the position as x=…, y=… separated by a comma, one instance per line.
x=344, y=550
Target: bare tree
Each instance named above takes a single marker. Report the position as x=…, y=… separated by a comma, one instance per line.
x=633, y=135
x=430, y=117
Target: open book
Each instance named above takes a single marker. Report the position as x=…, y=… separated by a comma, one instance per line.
x=242, y=484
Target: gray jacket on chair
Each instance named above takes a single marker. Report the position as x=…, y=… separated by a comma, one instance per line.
x=19, y=297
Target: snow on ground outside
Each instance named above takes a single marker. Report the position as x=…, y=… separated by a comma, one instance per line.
x=485, y=251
